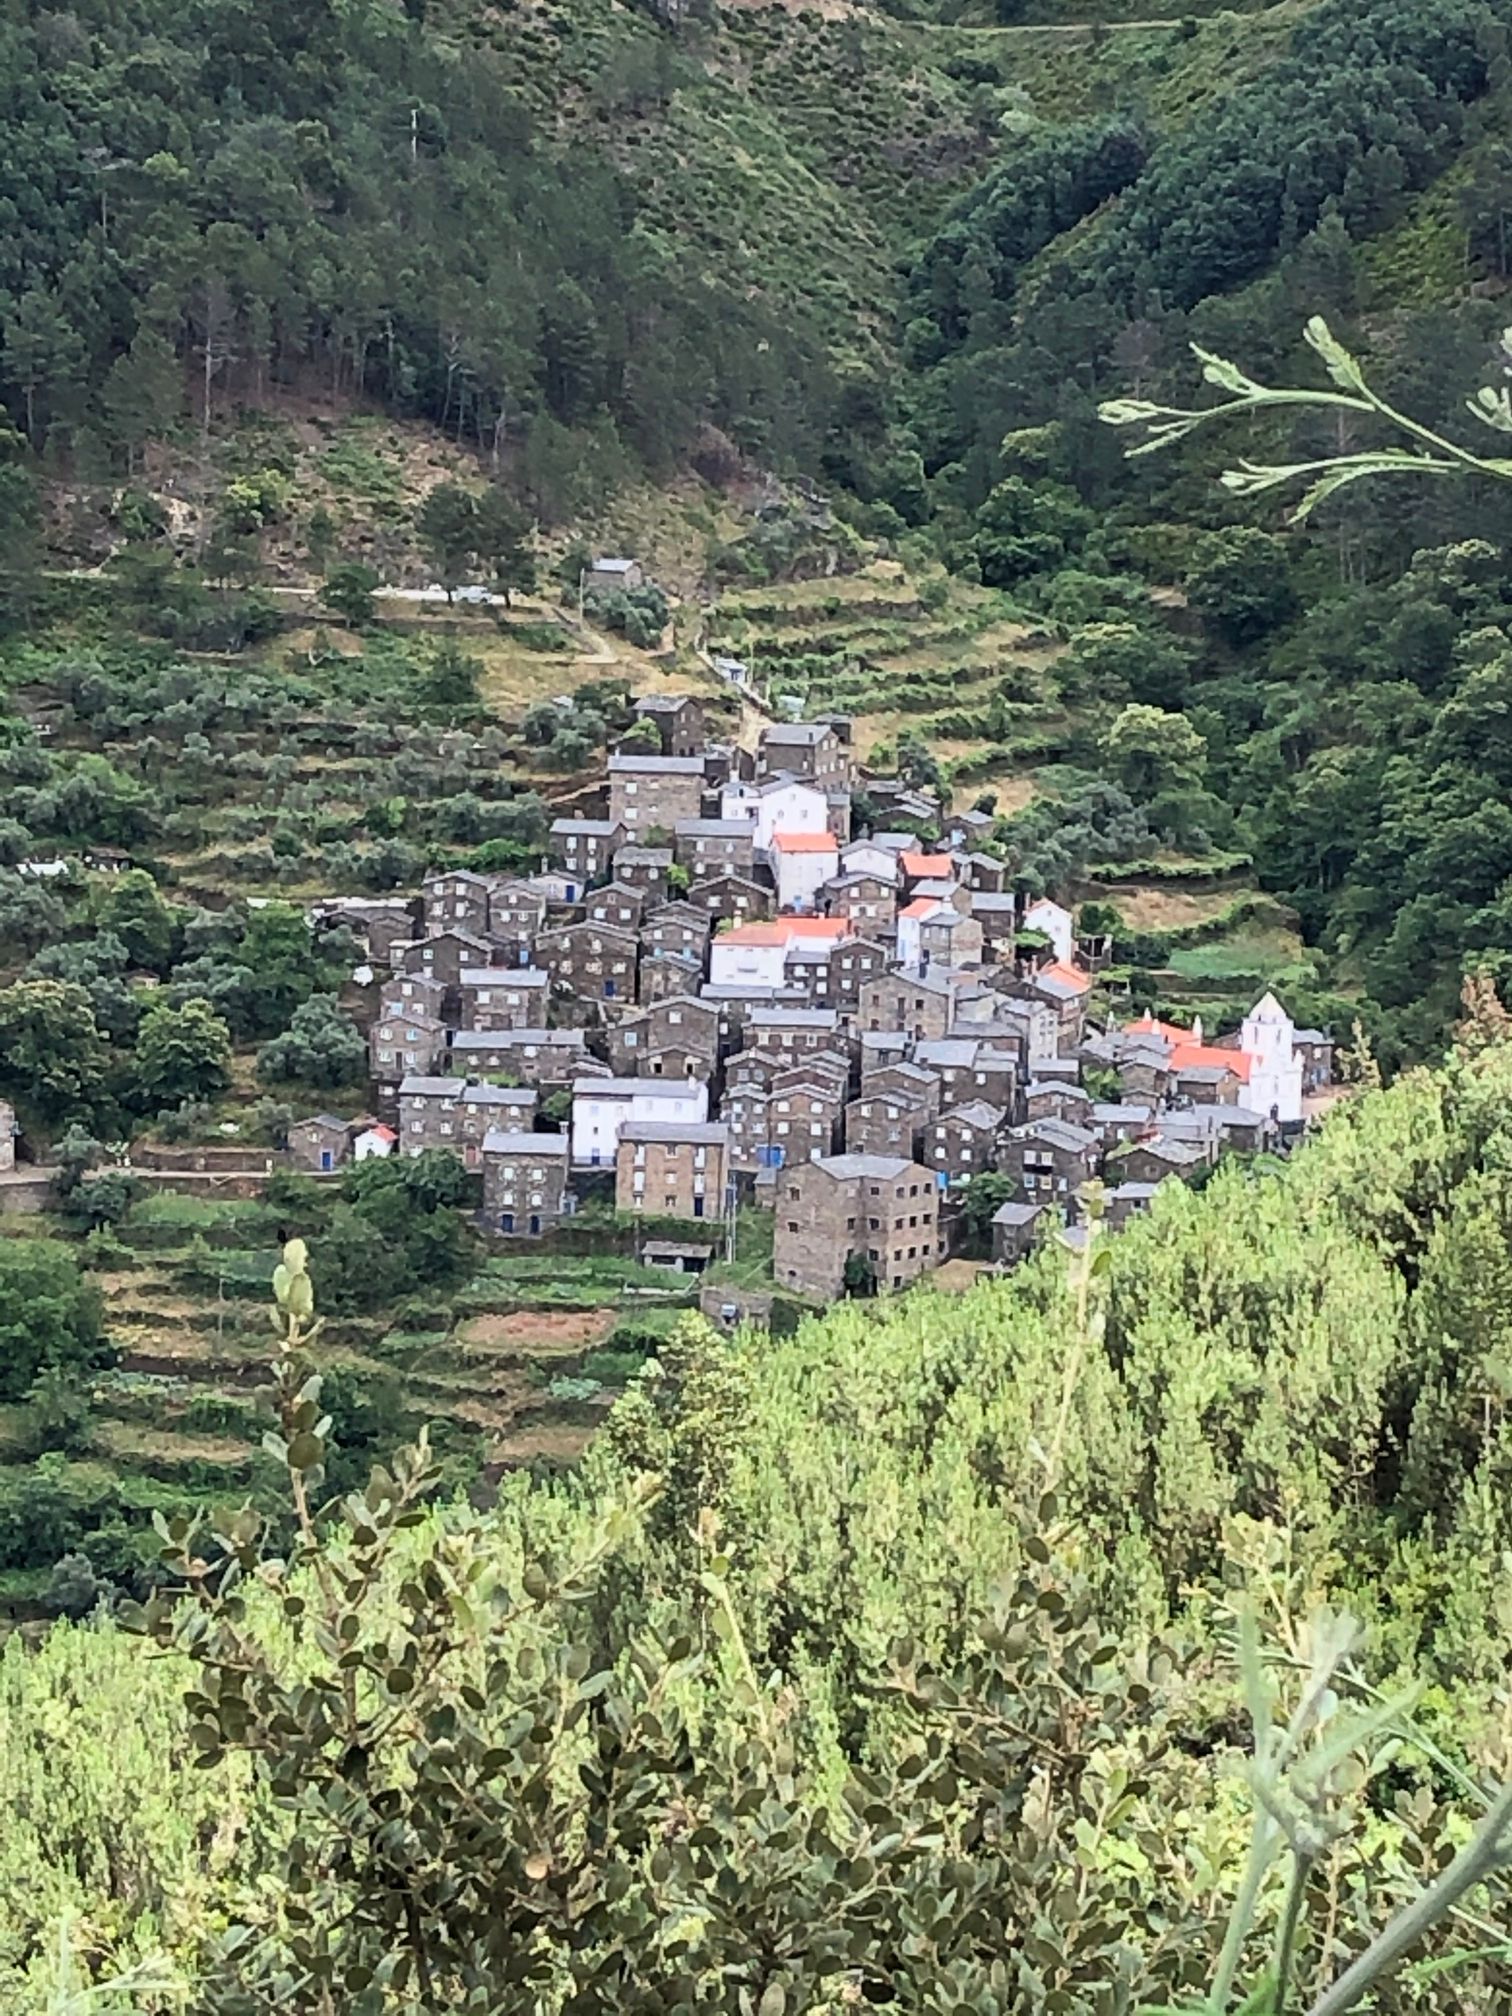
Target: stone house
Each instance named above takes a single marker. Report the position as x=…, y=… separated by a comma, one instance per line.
x=962, y=1143
x=1128, y=1200
x=1050, y=1160
x=455, y=900
x=548, y=1057
x=997, y=913
x=525, y=1182
x=1153, y=1161
x=583, y=850
x=994, y=1075
x=442, y=956
x=679, y=927
x=678, y=719
x=502, y=997
x=737, y=899
x=1017, y=1229
x=836, y=972
x=413, y=993
x=882, y=1208
x=921, y=1003
x=400, y=1045
x=1208, y=1084
x=456, y=1113
x=892, y=1112
x=672, y=1169
x=866, y=902
x=812, y=750
x=320, y=1143
x=1054, y=1099
x=591, y=962
x=710, y=847
x=612, y=575
x=1063, y=990
x=377, y=923
x=617, y=903
x=984, y=873
x=679, y=1020
x=793, y=1116
x=1115, y=1123
x=948, y=936
x=516, y=912
x=664, y=975
x=602, y=1106
x=792, y=1032
x=1315, y=1050
x=648, y=869
x=650, y=794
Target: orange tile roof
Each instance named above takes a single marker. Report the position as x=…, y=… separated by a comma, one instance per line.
x=921, y=867
x=1068, y=976
x=806, y=843
x=1170, y=1032
x=1206, y=1057
x=921, y=906
x=782, y=930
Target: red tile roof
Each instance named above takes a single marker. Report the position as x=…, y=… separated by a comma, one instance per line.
x=782, y=930
x=923, y=867
x=806, y=843
x=1206, y=1057
x=1068, y=976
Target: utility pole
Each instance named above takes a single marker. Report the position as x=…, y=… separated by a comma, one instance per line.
x=414, y=135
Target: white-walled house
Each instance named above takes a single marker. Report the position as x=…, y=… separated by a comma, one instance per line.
x=601, y=1107
x=755, y=955
x=777, y=805
x=1275, y=1079
x=911, y=921
x=801, y=864
x=374, y=1141
x=870, y=857
x=1058, y=925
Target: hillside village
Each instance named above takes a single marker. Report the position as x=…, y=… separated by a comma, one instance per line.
x=719, y=994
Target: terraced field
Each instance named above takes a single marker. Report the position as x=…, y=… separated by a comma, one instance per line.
x=958, y=668
x=516, y=1368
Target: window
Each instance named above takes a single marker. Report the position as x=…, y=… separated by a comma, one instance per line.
x=792, y=1224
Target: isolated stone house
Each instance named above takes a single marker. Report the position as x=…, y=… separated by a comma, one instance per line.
x=525, y=1182
x=320, y=1143
x=678, y=719
x=882, y=1208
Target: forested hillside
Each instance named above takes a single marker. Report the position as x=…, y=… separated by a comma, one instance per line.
x=912, y=1677
x=576, y=249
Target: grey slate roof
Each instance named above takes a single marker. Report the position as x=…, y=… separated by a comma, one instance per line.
x=697, y=1133
x=497, y=1141
x=847, y=1167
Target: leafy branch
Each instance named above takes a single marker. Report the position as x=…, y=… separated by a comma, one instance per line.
x=1434, y=454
